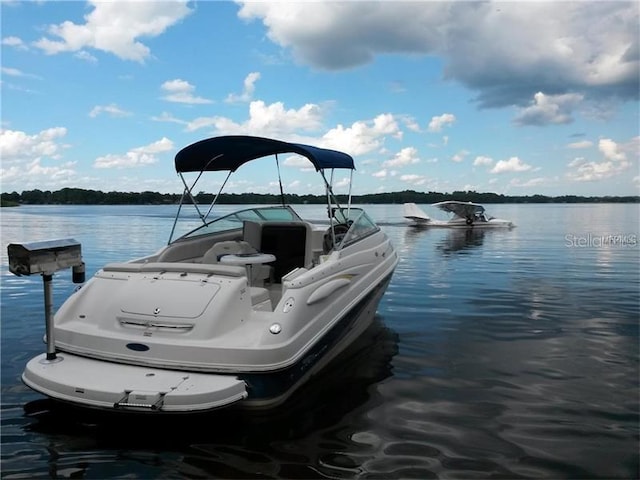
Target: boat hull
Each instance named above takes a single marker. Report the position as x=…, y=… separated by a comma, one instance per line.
x=113, y=386
x=268, y=390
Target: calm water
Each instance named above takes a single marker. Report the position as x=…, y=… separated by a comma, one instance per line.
x=497, y=354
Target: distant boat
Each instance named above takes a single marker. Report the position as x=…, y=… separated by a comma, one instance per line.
x=463, y=215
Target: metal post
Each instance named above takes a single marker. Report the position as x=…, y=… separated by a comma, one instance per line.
x=47, y=257
x=48, y=312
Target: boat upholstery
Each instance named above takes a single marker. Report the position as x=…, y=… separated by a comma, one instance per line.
x=290, y=242
x=192, y=249
x=226, y=248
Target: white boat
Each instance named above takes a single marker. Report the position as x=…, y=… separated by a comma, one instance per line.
x=463, y=215
x=242, y=310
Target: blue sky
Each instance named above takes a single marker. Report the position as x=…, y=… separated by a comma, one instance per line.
x=509, y=97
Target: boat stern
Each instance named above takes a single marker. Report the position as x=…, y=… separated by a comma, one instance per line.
x=112, y=386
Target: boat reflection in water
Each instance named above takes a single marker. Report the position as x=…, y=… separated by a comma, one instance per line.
x=460, y=240
x=447, y=242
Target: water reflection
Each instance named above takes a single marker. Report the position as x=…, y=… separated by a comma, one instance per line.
x=411, y=236
x=517, y=356
x=447, y=241
x=461, y=239
x=231, y=443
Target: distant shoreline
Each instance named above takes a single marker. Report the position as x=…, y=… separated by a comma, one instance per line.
x=78, y=196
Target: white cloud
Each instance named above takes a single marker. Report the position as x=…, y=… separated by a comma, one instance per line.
x=274, y=119
x=264, y=120
x=591, y=171
x=411, y=123
x=504, y=51
x=181, y=91
x=482, y=161
x=610, y=150
x=514, y=164
x=362, y=136
x=25, y=158
x=167, y=117
x=413, y=179
x=248, y=90
x=17, y=146
x=86, y=56
x=115, y=27
x=14, y=42
x=397, y=87
x=112, y=110
x=34, y=175
x=581, y=144
x=406, y=156
x=380, y=174
x=297, y=161
x=614, y=161
x=549, y=109
x=437, y=123
x=576, y=162
x=459, y=157
x=533, y=182
x=214, y=122
x=335, y=35
x=14, y=72
x=342, y=183
x=140, y=156
x=632, y=147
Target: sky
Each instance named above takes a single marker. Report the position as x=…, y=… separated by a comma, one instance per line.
x=517, y=98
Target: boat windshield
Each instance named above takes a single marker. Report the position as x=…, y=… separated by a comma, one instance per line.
x=360, y=225
x=234, y=220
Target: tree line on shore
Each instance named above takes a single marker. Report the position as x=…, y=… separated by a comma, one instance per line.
x=78, y=196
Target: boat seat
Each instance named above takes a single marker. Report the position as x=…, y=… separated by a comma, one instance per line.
x=290, y=241
x=192, y=249
x=226, y=248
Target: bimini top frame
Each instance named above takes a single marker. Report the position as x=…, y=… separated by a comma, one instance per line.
x=228, y=153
